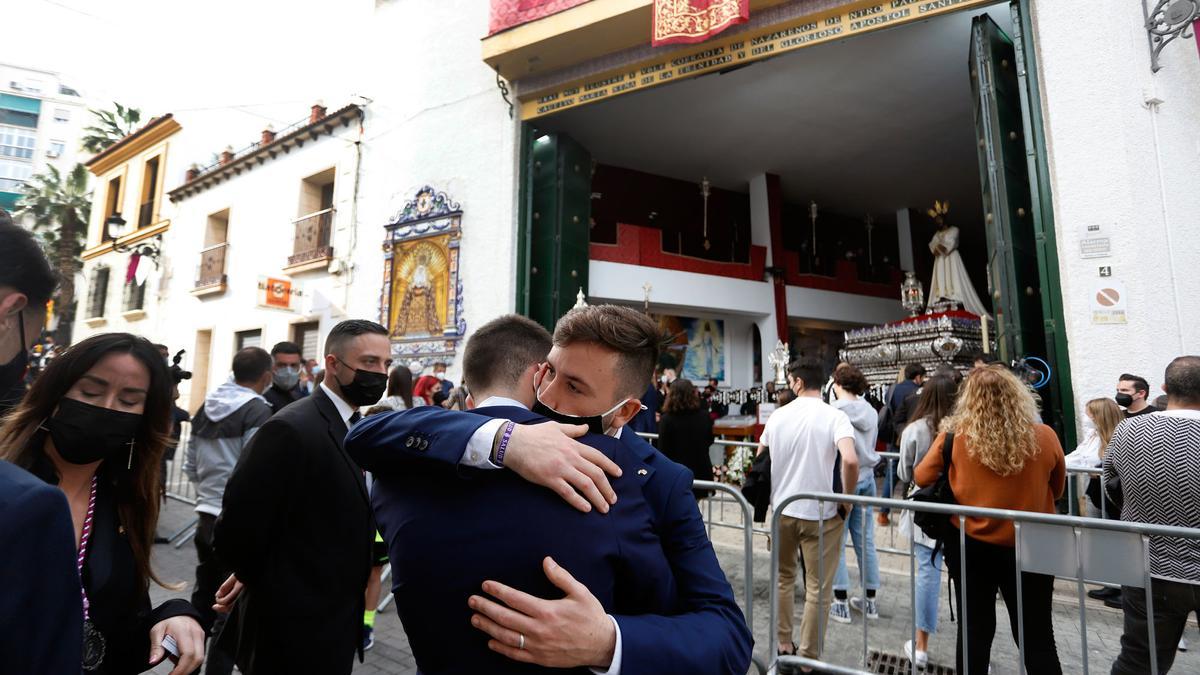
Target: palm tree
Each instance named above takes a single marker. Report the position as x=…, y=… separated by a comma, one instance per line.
x=60, y=206
x=109, y=127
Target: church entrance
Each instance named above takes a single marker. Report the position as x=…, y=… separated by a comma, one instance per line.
x=917, y=149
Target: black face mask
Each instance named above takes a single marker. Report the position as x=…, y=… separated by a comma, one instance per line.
x=12, y=372
x=84, y=433
x=366, y=388
x=1124, y=400
x=595, y=423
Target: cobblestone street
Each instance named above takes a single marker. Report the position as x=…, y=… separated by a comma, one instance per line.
x=844, y=643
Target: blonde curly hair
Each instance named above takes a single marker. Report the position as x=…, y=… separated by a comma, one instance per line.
x=996, y=414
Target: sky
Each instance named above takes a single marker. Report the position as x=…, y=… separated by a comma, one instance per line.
x=238, y=64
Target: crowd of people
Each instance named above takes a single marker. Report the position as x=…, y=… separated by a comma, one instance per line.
x=984, y=435
x=526, y=520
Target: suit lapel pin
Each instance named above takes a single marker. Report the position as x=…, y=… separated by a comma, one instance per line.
x=642, y=472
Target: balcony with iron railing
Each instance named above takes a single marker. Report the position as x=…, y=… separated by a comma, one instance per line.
x=210, y=274
x=311, y=249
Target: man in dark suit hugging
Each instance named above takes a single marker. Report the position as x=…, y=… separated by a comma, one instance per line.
x=557, y=588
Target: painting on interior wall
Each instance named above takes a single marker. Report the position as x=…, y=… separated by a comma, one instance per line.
x=699, y=346
x=421, y=302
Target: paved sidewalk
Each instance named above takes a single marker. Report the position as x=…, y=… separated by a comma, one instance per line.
x=844, y=643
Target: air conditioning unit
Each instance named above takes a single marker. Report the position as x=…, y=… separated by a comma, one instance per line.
x=52, y=154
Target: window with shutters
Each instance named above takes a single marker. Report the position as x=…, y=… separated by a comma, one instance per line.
x=305, y=335
x=98, y=293
x=248, y=338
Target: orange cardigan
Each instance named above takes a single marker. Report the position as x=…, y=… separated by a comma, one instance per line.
x=1039, y=483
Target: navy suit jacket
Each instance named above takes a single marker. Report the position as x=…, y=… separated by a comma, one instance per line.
x=446, y=535
x=706, y=631
x=41, y=612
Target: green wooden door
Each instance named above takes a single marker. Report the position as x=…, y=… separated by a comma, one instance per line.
x=1012, y=251
x=559, y=180
x=1023, y=275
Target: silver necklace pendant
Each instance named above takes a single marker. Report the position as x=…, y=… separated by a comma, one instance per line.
x=93, y=646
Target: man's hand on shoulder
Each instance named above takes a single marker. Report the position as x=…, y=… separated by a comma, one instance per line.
x=548, y=455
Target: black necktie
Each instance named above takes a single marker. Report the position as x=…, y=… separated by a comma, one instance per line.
x=355, y=418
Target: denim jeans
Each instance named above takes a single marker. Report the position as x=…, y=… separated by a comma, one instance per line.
x=861, y=526
x=929, y=585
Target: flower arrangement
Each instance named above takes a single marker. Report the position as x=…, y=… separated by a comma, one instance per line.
x=735, y=469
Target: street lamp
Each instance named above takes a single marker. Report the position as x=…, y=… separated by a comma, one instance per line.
x=147, y=248
x=115, y=226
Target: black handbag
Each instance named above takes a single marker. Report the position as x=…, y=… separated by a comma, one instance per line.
x=756, y=488
x=937, y=525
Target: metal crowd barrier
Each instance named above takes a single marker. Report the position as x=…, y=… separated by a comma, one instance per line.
x=1108, y=551
x=178, y=486
x=747, y=529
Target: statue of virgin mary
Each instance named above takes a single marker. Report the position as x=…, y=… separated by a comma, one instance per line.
x=950, y=284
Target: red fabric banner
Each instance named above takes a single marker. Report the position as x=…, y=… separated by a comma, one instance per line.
x=691, y=21
x=511, y=13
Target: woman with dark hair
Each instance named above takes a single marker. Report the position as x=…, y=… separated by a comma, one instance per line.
x=685, y=431
x=95, y=424
x=934, y=404
x=399, y=389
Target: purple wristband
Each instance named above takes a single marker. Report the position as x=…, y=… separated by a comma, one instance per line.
x=500, y=449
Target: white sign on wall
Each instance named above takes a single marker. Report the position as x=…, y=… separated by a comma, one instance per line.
x=764, y=411
x=1094, y=244
x=1108, y=303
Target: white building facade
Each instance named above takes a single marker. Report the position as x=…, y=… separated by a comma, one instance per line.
x=262, y=245
x=41, y=122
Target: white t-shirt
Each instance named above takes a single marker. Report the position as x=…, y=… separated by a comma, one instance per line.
x=803, y=437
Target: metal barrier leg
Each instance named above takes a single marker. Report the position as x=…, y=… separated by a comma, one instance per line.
x=962, y=594
x=183, y=530
x=862, y=571
x=1020, y=604
x=1149, y=606
x=822, y=613
x=386, y=597
x=188, y=537
x=1079, y=586
x=773, y=610
x=912, y=586
x=1103, y=498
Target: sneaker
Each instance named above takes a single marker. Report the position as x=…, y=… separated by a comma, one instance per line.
x=856, y=604
x=919, y=658
x=839, y=611
x=1182, y=644
x=368, y=638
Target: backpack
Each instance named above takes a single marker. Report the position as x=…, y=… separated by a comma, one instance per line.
x=937, y=525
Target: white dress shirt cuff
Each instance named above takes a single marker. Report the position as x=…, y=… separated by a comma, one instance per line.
x=615, y=667
x=479, y=448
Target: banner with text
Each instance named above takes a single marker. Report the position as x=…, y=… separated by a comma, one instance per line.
x=835, y=24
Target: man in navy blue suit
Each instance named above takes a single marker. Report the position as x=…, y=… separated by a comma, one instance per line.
x=601, y=360
x=41, y=611
x=495, y=526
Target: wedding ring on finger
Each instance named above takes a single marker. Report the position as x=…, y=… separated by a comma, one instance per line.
x=521, y=642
